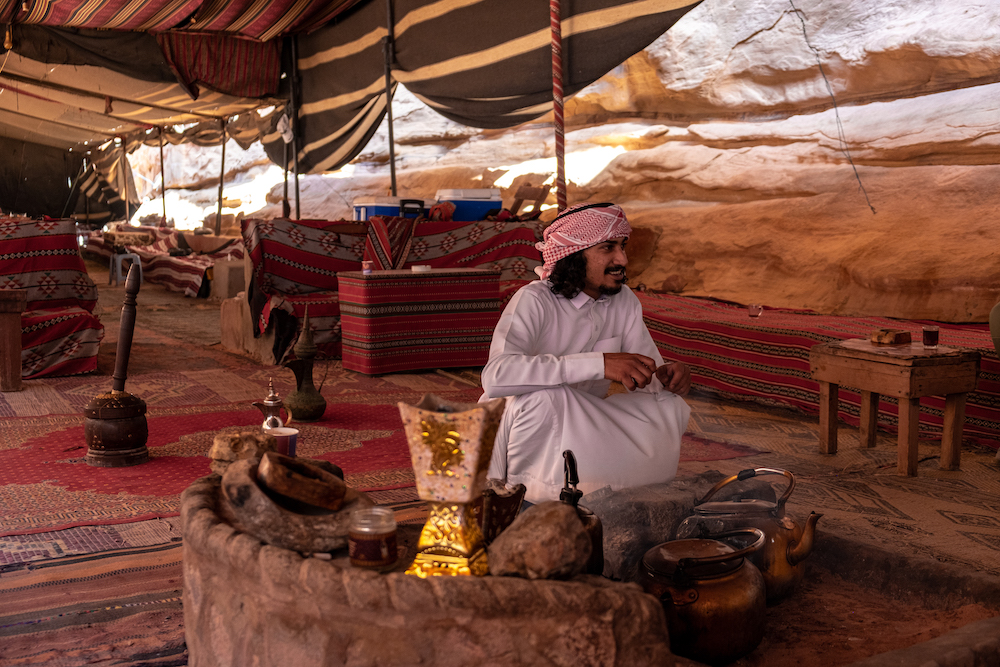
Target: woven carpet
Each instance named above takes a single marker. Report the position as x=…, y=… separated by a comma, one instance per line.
x=119, y=607
x=950, y=516
x=46, y=486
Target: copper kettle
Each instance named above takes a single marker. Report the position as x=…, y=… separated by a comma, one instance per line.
x=713, y=596
x=786, y=545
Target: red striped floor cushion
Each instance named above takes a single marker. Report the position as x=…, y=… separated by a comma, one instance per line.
x=63, y=341
x=506, y=246
x=396, y=321
x=767, y=359
x=42, y=257
x=295, y=257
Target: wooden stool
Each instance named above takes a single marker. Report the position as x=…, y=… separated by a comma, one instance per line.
x=12, y=304
x=115, y=266
x=907, y=372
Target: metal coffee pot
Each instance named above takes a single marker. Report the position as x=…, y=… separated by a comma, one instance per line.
x=787, y=544
x=591, y=522
x=713, y=596
x=270, y=407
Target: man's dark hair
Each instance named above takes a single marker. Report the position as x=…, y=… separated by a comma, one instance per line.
x=569, y=275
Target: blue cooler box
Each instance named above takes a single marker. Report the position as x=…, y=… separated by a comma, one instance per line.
x=366, y=207
x=472, y=205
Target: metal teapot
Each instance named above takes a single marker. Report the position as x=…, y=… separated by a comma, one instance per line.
x=786, y=545
x=713, y=596
x=271, y=408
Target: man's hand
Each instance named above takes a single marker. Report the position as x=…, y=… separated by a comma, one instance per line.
x=675, y=376
x=632, y=370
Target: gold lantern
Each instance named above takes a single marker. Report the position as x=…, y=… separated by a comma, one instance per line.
x=450, y=447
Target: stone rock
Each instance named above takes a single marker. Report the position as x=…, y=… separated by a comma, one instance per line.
x=546, y=541
x=722, y=141
x=247, y=603
x=250, y=509
x=637, y=519
x=230, y=446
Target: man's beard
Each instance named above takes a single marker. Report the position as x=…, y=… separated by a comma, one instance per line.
x=611, y=291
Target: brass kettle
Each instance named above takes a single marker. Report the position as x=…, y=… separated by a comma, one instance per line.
x=713, y=596
x=787, y=544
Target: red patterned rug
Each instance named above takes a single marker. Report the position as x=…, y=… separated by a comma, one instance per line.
x=45, y=485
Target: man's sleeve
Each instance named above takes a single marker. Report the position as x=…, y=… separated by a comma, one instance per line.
x=517, y=362
x=636, y=339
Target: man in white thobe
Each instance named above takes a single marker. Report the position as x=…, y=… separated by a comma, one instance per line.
x=557, y=347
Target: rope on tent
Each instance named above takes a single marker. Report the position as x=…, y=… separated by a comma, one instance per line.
x=555, y=20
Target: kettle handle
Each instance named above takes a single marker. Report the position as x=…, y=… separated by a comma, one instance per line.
x=723, y=558
x=753, y=472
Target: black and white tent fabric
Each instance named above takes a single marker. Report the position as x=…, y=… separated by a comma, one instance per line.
x=480, y=63
x=484, y=63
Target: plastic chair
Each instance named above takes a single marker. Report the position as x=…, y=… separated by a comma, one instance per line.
x=115, y=267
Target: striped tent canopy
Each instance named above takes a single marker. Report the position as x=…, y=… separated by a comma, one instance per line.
x=80, y=73
x=480, y=63
x=255, y=20
x=77, y=106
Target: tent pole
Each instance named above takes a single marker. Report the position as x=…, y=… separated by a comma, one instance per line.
x=286, y=211
x=390, y=57
x=128, y=208
x=295, y=119
x=555, y=20
x=222, y=178
x=163, y=180
x=86, y=197
x=72, y=188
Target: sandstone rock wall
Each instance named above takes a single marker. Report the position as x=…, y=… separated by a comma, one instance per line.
x=723, y=143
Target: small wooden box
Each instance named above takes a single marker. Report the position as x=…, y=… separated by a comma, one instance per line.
x=890, y=337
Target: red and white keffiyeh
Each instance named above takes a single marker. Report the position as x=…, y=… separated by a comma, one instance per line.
x=578, y=228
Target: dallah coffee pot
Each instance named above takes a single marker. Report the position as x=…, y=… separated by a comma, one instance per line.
x=786, y=545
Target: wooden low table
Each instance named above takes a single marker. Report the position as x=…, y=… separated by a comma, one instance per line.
x=907, y=372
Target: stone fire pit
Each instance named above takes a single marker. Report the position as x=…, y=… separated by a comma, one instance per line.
x=247, y=603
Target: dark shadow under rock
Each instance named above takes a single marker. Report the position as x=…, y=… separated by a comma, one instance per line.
x=637, y=519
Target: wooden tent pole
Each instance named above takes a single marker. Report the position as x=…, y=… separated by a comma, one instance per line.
x=163, y=179
x=295, y=120
x=555, y=20
x=124, y=162
x=222, y=178
x=390, y=57
x=286, y=210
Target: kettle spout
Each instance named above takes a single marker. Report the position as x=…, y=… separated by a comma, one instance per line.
x=798, y=551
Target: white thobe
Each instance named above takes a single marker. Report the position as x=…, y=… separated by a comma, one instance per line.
x=547, y=357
